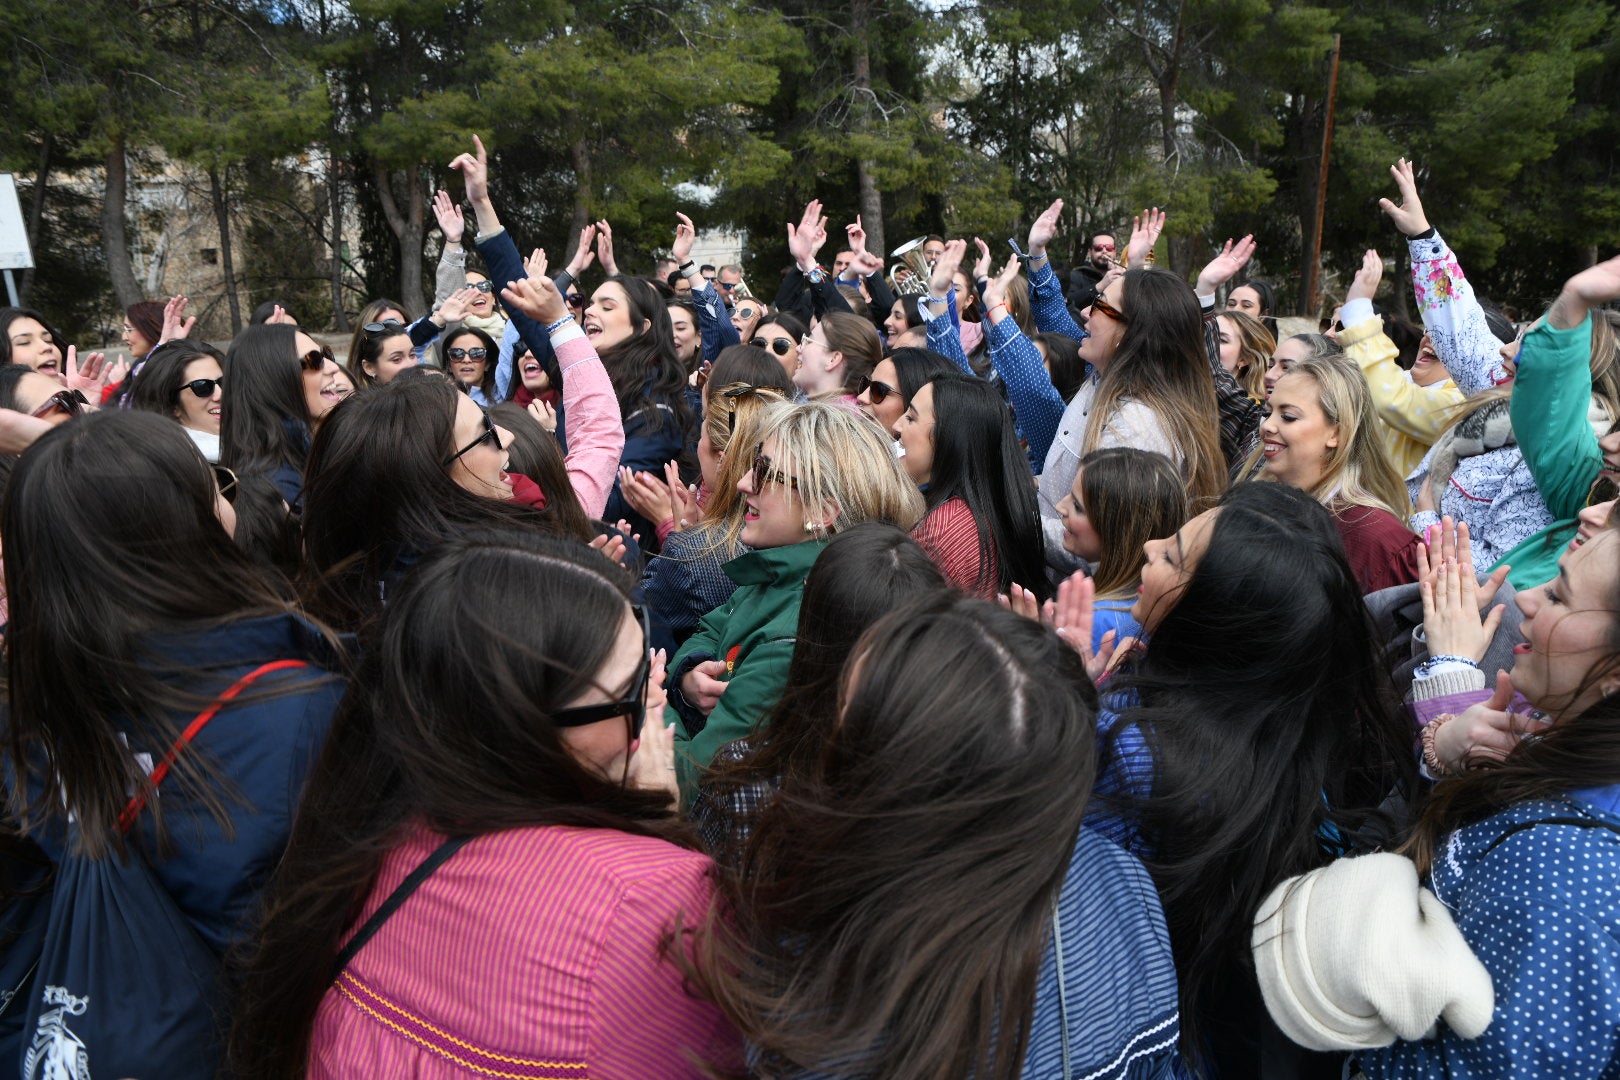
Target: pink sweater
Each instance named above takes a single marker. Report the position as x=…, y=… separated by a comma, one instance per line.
x=533, y=953
x=591, y=419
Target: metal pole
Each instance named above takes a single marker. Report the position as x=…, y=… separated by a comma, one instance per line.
x=11, y=290
x=1312, y=285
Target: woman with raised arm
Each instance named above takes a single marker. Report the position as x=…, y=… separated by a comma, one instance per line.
x=493, y=746
x=714, y=325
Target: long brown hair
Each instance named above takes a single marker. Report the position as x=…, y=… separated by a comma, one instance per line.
x=448, y=723
x=1161, y=363
x=853, y=336
x=1131, y=496
x=893, y=904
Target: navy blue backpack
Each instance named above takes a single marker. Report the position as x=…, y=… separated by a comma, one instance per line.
x=123, y=985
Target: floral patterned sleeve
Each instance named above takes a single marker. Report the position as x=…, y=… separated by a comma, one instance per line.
x=1455, y=321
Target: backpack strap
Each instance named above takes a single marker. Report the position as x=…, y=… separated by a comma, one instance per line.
x=1581, y=823
x=411, y=883
x=126, y=820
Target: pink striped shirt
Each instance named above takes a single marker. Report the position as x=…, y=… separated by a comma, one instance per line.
x=533, y=953
x=591, y=420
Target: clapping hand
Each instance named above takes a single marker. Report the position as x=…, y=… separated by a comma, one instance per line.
x=1072, y=615
x=583, y=255
x=652, y=756
x=604, y=248
x=1451, y=606
x=995, y=289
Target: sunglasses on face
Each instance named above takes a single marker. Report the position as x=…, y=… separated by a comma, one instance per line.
x=314, y=361
x=727, y=285
x=764, y=472
x=203, y=388
x=1101, y=306
x=477, y=353
x=576, y=300
x=781, y=346
x=490, y=435
x=747, y=313
x=633, y=707
x=481, y=286
x=1102, y=247
x=876, y=390
x=71, y=402
x=225, y=480
x=383, y=329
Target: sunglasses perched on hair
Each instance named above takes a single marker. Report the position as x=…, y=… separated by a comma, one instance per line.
x=476, y=353
x=1102, y=306
x=779, y=345
x=878, y=391
x=71, y=402
x=490, y=435
x=384, y=328
x=225, y=480
x=764, y=472
x=203, y=388
x=314, y=361
x=481, y=286
x=633, y=707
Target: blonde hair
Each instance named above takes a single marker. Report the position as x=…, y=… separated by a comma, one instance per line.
x=1256, y=344
x=837, y=455
x=1358, y=470
x=731, y=418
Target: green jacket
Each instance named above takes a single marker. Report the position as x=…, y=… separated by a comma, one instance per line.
x=753, y=632
x=1552, y=394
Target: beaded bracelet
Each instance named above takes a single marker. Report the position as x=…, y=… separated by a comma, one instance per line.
x=1433, y=662
x=552, y=328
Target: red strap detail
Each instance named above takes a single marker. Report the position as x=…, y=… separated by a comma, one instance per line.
x=126, y=820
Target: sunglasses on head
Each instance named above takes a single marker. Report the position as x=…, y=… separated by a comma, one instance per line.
x=71, y=402
x=384, y=328
x=481, y=286
x=764, y=473
x=225, y=480
x=203, y=388
x=490, y=435
x=633, y=707
x=876, y=390
x=477, y=353
x=780, y=346
x=314, y=361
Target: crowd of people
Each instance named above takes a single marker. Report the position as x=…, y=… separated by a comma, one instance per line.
x=970, y=671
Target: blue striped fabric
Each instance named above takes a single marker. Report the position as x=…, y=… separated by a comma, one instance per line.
x=685, y=580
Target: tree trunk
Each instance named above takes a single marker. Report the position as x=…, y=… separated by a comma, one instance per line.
x=36, y=212
x=1305, y=200
x=227, y=264
x=114, y=238
x=582, y=195
x=334, y=191
x=871, y=199
x=407, y=229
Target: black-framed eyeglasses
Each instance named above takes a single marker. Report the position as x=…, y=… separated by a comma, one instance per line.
x=384, y=328
x=71, y=402
x=316, y=360
x=203, y=388
x=634, y=707
x=1103, y=306
x=765, y=473
x=481, y=286
x=225, y=480
x=475, y=353
x=490, y=435
x=877, y=390
x=781, y=346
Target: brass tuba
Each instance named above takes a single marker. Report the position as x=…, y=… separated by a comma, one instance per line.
x=911, y=258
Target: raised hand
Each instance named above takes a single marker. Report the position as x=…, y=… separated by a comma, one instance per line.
x=1225, y=265
x=857, y=236
x=451, y=223
x=89, y=376
x=474, y=171
x=652, y=761
x=995, y=291
x=866, y=264
x=456, y=306
x=544, y=415
x=1408, y=217
x=1450, y=540
x=583, y=255
x=1044, y=228
x=981, y=265
x=1592, y=287
x=1072, y=615
x=536, y=264
x=805, y=240
x=535, y=296
x=1365, y=283
x=1451, y=610
x=175, y=323
x=685, y=236
x=945, y=268
x=1145, y=230
x=604, y=248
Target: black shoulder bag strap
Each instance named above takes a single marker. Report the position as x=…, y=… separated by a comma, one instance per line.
x=411, y=883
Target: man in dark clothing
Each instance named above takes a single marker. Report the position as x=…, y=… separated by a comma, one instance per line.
x=1083, y=278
